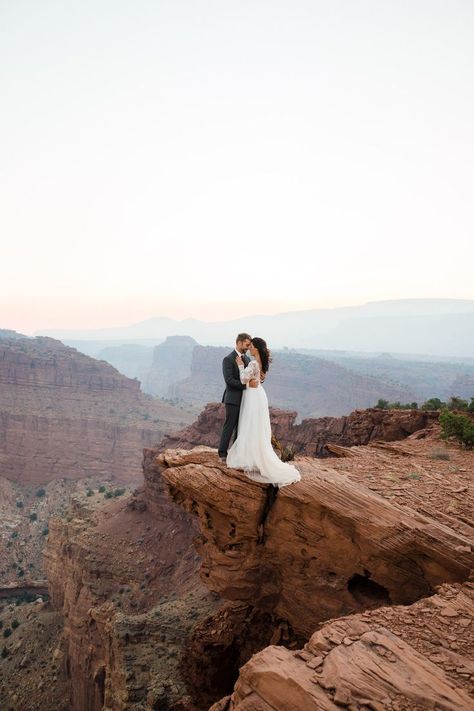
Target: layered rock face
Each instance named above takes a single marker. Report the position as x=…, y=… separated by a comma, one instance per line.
x=324, y=539
x=64, y=414
x=124, y=580
x=311, y=436
x=337, y=561
x=417, y=657
x=328, y=548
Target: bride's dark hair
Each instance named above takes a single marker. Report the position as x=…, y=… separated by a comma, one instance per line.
x=265, y=355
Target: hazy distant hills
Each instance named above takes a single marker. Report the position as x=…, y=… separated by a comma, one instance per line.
x=313, y=387
x=313, y=383
x=440, y=327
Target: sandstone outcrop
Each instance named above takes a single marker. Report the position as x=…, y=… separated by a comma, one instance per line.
x=416, y=657
x=315, y=550
x=64, y=414
x=311, y=436
x=341, y=571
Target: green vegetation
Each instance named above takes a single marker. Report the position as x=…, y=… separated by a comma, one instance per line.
x=41, y=492
x=45, y=531
x=33, y=516
x=89, y=492
x=386, y=405
x=4, y=652
x=458, y=427
x=15, y=623
x=433, y=403
x=19, y=504
x=14, y=534
x=101, y=489
x=286, y=453
x=115, y=492
x=7, y=632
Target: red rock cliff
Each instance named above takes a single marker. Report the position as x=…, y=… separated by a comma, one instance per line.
x=63, y=414
x=311, y=436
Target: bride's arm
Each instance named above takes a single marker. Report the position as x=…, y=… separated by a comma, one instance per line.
x=249, y=373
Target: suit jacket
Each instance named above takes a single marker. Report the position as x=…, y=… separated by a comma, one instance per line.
x=234, y=388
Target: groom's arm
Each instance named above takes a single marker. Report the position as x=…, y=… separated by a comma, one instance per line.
x=228, y=372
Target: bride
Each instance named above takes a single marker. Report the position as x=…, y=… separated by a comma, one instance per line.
x=252, y=451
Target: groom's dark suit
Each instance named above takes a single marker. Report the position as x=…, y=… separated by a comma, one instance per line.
x=232, y=398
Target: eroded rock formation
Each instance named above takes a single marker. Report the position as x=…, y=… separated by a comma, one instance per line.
x=311, y=436
x=124, y=579
x=325, y=539
x=343, y=566
x=416, y=657
x=64, y=414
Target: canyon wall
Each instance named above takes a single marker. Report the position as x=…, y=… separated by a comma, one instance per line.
x=64, y=414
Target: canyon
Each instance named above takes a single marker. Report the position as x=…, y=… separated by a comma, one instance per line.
x=68, y=423
x=64, y=414
x=201, y=579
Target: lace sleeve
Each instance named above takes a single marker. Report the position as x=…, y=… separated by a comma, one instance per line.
x=251, y=372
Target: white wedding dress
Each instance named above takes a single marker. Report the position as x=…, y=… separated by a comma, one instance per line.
x=252, y=451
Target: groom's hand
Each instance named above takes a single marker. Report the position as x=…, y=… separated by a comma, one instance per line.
x=253, y=383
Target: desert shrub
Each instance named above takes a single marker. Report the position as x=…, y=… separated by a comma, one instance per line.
x=286, y=453
x=40, y=492
x=14, y=534
x=15, y=623
x=458, y=427
x=33, y=516
x=4, y=652
x=108, y=495
x=451, y=424
x=437, y=453
x=119, y=492
x=89, y=492
x=468, y=433
x=19, y=504
x=45, y=531
x=101, y=489
x=1, y=624
x=434, y=403
x=7, y=632
x=457, y=403
x=470, y=407
x=386, y=405
x=21, y=573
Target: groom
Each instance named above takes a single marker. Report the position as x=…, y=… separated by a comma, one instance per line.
x=233, y=392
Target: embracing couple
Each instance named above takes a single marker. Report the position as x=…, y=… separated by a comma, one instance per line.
x=247, y=416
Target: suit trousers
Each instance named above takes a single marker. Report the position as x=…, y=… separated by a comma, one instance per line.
x=230, y=426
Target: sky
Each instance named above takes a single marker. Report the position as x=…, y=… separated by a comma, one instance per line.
x=213, y=159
